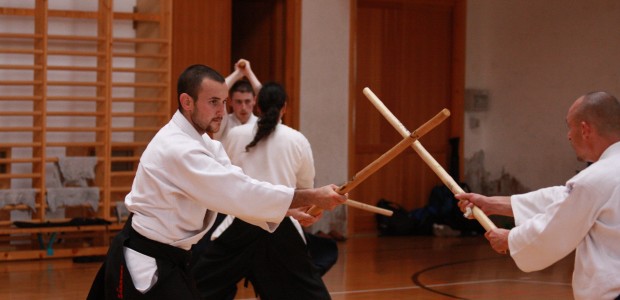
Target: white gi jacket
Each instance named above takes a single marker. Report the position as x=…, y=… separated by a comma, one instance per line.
x=583, y=215
x=284, y=157
x=229, y=122
x=184, y=178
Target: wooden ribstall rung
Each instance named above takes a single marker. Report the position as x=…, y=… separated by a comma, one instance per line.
x=140, y=55
x=76, y=68
x=19, y=129
x=19, y=160
x=122, y=173
x=75, y=38
x=20, y=113
x=140, y=70
x=56, y=159
x=75, y=53
x=10, y=35
x=20, y=145
x=20, y=67
x=20, y=98
x=74, y=129
x=58, y=13
x=75, y=98
x=20, y=51
x=137, y=17
x=75, y=113
x=135, y=129
x=74, y=144
x=140, y=84
x=19, y=206
x=124, y=158
x=154, y=99
x=20, y=175
x=140, y=41
x=124, y=145
x=139, y=115
x=14, y=230
x=16, y=11
x=75, y=83
x=58, y=253
x=117, y=189
x=20, y=82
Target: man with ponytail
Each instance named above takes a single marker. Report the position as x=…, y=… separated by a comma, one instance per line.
x=277, y=264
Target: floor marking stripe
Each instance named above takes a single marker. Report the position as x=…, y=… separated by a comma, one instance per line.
x=451, y=284
x=442, y=285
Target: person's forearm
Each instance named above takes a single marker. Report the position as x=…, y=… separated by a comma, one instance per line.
x=302, y=197
x=501, y=206
x=324, y=197
x=233, y=77
x=256, y=85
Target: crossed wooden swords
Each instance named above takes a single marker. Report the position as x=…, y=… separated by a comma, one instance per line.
x=409, y=139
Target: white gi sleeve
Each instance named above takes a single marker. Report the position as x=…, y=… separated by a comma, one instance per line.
x=526, y=206
x=554, y=232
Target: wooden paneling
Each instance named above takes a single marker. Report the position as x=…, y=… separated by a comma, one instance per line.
x=219, y=32
x=201, y=34
x=256, y=35
x=292, y=61
x=267, y=33
x=407, y=53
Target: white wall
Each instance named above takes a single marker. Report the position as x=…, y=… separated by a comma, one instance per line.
x=324, y=86
x=535, y=58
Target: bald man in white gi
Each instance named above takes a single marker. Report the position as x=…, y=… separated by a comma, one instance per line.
x=583, y=215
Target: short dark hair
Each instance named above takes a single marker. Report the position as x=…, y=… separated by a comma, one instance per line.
x=242, y=86
x=191, y=79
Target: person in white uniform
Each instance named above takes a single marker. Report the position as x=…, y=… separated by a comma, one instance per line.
x=278, y=264
x=182, y=180
x=242, y=95
x=582, y=215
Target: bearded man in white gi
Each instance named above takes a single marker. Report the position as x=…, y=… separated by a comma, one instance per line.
x=583, y=215
x=182, y=180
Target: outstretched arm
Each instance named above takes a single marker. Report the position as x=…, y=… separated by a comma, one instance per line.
x=324, y=197
x=496, y=205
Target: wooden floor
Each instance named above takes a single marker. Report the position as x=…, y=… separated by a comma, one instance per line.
x=369, y=267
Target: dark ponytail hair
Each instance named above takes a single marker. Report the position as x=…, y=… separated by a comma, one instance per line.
x=271, y=100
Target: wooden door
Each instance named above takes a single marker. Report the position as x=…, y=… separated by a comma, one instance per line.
x=410, y=54
x=217, y=33
x=267, y=33
x=201, y=34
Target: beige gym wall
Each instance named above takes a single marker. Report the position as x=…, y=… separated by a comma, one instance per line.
x=535, y=58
